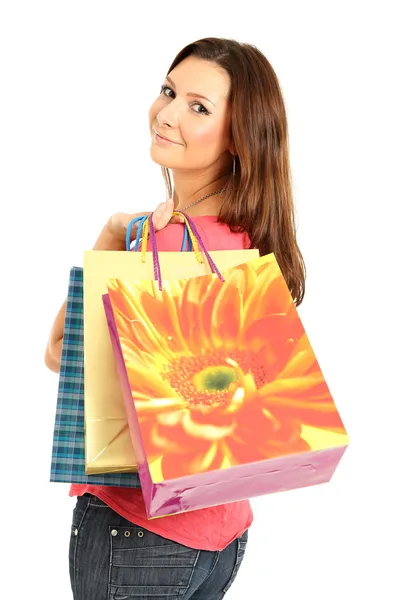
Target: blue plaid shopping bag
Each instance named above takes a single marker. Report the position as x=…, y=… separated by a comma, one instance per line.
x=68, y=454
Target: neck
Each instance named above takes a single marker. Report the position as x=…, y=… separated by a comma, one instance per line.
x=189, y=188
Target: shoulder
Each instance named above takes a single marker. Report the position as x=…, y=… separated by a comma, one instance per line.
x=218, y=236
x=215, y=235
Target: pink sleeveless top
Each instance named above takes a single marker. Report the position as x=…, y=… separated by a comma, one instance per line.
x=209, y=528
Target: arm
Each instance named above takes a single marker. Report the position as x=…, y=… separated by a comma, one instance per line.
x=107, y=240
x=52, y=357
x=112, y=237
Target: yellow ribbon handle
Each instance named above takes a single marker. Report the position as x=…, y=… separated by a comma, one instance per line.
x=193, y=238
x=145, y=237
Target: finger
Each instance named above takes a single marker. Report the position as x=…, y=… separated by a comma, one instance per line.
x=119, y=222
x=126, y=219
x=158, y=216
x=170, y=205
x=177, y=219
x=163, y=213
x=134, y=230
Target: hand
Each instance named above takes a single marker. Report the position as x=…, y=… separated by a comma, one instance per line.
x=113, y=235
x=163, y=215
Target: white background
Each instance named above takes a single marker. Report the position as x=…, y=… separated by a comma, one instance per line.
x=76, y=80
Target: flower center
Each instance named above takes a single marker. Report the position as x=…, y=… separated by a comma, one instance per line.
x=214, y=379
x=209, y=379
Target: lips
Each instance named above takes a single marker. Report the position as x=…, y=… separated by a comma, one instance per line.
x=163, y=137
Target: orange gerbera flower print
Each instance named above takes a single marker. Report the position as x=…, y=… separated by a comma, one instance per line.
x=221, y=372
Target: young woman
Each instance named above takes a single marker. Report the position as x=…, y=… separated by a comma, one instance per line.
x=219, y=125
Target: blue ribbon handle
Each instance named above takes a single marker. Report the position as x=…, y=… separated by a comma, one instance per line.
x=139, y=234
x=185, y=239
x=129, y=231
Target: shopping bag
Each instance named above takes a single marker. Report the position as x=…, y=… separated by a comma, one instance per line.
x=224, y=395
x=108, y=446
x=68, y=451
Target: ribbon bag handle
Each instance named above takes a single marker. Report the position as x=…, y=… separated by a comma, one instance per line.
x=146, y=230
x=193, y=229
x=196, y=241
x=186, y=244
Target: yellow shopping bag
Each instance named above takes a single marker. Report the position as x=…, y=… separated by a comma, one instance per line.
x=108, y=446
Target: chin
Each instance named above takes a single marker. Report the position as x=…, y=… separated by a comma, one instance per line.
x=158, y=158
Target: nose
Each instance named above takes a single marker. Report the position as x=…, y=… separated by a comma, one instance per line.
x=162, y=121
x=168, y=116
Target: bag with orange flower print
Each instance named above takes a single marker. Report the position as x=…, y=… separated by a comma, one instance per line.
x=108, y=445
x=224, y=395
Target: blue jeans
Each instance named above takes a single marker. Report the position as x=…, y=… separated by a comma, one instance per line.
x=112, y=559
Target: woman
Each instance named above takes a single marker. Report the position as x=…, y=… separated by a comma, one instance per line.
x=219, y=125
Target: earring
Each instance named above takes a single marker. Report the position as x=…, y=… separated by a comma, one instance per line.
x=234, y=165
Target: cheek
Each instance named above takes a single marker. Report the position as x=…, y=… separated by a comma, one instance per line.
x=207, y=134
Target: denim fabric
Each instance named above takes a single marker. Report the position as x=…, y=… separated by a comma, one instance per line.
x=112, y=559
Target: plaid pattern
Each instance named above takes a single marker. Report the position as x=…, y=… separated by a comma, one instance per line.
x=68, y=455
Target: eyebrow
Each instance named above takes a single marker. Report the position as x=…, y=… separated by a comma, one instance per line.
x=190, y=93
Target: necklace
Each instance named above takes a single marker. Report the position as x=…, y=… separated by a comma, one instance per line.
x=201, y=199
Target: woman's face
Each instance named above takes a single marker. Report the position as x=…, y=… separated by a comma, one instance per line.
x=190, y=119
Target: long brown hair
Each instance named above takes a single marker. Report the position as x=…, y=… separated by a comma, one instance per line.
x=258, y=199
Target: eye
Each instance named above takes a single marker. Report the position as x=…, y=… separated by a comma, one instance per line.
x=201, y=109
x=167, y=91
x=196, y=106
